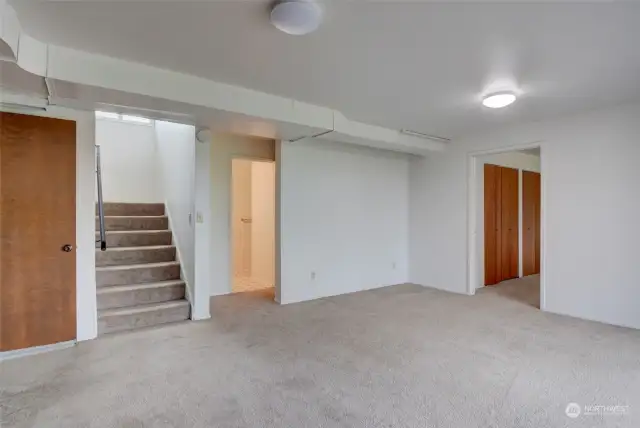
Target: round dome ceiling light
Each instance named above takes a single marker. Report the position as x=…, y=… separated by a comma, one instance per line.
x=499, y=100
x=296, y=17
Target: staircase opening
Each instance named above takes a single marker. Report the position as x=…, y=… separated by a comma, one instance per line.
x=253, y=226
x=147, y=186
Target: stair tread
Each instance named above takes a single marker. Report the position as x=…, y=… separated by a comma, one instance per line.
x=115, y=232
x=141, y=286
x=134, y=216
x=139, y=248
x=132, y=203
x=137, y=266
x=149, y=307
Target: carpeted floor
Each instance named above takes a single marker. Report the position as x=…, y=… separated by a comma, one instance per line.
x=242, y=284
x=403, y=356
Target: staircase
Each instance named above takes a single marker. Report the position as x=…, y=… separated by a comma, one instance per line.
x=138, y=277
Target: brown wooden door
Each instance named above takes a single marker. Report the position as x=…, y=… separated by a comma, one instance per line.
x=530, y=223
x=492, y=225
x=509, y=233
x=500, y=224
x=37, y=219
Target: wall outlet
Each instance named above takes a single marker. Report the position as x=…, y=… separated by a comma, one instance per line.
x=394, y=265
x=313, y=275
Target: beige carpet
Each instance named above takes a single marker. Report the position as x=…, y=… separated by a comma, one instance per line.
x=242, y=284
x=402, y=356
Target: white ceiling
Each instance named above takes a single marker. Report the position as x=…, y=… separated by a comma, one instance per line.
x=417, y=65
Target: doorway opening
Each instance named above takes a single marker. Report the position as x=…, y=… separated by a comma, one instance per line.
x=506, y=210
x=253, y=226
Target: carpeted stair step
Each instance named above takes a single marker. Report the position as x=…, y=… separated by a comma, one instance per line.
x=137, y=274
x=131, y=209
x=135, y=255
x=119, y=296
x=134, y=223
x=136, y=238
x=112, y=320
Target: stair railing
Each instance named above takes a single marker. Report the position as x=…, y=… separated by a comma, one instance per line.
x=103, y=235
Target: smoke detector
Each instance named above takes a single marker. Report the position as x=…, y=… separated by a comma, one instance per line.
x=296, y=17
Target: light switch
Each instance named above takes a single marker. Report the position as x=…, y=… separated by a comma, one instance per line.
x=199, y=218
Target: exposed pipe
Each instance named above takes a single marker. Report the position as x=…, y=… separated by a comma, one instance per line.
x=49, y=91
x=311, y=136
x=425, y=136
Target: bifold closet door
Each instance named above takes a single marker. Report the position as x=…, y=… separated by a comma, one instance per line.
x=500, y=223
x=509, y=233
x=492, y=222
x=530, y=223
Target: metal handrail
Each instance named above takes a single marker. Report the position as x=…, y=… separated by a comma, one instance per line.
x=103, y=235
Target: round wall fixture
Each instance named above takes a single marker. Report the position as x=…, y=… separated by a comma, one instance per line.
x=499, y=100
x=296, y=17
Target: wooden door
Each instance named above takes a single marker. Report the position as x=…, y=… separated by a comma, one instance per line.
x=492, y=225
x=501, y=230
x=509, y=230
x=241, y=217
x=37, y=219
x=530, y=223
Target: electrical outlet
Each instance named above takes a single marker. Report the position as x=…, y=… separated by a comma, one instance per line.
x=313, y=275
x=394, y=265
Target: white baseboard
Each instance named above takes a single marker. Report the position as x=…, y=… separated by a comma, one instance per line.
x=19, y=353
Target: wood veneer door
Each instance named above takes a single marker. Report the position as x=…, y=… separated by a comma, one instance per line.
x=37, y=220
x=509, y=230
x=530, y=223
x=492, y=225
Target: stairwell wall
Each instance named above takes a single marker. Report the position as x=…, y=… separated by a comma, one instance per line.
x=129, y=165
x=176, y=175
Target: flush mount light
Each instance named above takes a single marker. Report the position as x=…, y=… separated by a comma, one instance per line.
x=499, y=100
x=296, y=17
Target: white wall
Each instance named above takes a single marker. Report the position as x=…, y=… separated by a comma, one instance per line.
x=176, y=172
x=129, y=164
x=590, y=209
x=222, y=149
x=343, y=219
x=515, y=160
x=86, y=308
x=263, y=211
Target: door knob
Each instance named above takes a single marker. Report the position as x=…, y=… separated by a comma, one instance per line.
x=67, y=248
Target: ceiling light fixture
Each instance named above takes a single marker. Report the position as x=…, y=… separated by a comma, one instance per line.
x=296, y=17
x=499, y=100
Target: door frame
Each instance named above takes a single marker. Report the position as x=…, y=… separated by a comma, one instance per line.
x=276, y=196
x=86, y=304
x=473, y=206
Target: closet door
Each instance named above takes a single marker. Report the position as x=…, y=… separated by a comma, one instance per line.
x=530, y=223
x=509, y=223
x=37, y=231
x=492, y=224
